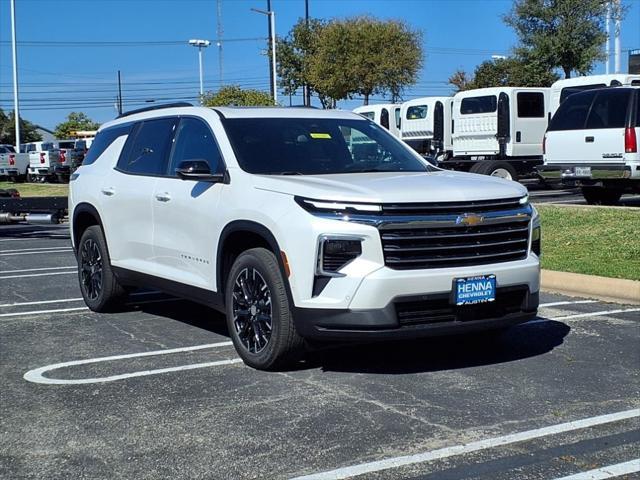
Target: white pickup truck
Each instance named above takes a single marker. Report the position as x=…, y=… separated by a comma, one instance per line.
x=57, y=160
x=13, y=165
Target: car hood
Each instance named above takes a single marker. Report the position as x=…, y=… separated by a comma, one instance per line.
x=405, y=187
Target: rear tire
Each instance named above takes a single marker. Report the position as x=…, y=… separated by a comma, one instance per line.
x=259, y=315
x=99, y=286
x=601, y=195
x=497, y=168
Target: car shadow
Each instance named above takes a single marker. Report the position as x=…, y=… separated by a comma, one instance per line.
x=394, y=357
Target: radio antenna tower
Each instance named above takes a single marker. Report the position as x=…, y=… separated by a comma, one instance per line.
x=219, y=43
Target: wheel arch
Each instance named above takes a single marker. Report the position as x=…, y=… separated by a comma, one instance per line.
x=84, y=216
x=239, y=236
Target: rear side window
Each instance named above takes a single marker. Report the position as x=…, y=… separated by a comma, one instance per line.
x=67, y=145
x=566, y=91
x=530, y=105
x=194, y=141
x=609, y=109
x=384, y=118
x=484, y=104
x=572, y=113
x=102, y=141
x=396, y=112
x=147, y=151
x=635, y=82
x=417, y=112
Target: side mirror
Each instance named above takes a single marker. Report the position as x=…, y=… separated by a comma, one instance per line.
x=199, y=170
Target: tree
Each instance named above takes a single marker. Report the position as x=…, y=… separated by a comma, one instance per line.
x=28, y=132
x=295, y=52
x=75, y=121
x=365, y=56
x=513, y=72
x=235, y=96
x=568, y=34
x=461, y=80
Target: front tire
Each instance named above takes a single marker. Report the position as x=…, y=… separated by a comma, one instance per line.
x=98, y=285
x=497, y=168
x=259, y=316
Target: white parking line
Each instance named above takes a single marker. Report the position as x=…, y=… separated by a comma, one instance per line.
x=34, y=253
x=36, y=375
x=62, y=300
x=557, y=304
x=583, y=315
x=455, y=450
x=38, y=312
x=2, y=272
x=38, y=274
x=610, y=471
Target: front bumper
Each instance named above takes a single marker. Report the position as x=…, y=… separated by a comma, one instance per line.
x=418, y=316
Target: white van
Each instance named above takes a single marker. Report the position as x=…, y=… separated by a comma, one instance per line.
x=592, y=142
x=426, y=125
x=384, y=114
x=498, y=131
x=561, y=89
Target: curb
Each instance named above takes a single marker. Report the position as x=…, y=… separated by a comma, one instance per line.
x=591, y=286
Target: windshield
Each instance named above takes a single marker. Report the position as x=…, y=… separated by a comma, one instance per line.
x=302, y=146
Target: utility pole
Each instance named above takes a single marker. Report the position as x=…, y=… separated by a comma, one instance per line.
x=272, y=21
x=607, y=48
x=271, y=66
x=616, y=42
x=306, y=91
x=219, y=32
x=119, y=94
x=16, y=108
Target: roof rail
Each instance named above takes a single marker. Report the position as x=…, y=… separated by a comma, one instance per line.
x=155, y=107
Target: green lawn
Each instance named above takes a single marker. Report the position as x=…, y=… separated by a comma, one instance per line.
x=38, y=189
x=593, y=241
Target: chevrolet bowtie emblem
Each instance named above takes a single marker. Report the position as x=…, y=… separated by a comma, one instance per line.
x=469, y=219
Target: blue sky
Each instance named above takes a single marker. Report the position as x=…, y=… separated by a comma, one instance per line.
x=65, y=64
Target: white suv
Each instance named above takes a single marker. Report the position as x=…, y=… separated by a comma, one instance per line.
x=299, y=224
x=592, y=142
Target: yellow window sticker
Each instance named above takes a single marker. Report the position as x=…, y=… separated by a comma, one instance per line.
x=325, y=136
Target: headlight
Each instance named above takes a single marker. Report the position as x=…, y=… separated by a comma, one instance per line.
x=536, y=233
x=524, y=200
x=334, y=253
x=325, y=206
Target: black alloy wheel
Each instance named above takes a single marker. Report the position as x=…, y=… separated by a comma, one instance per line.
x=252, y=310
x=91, y=269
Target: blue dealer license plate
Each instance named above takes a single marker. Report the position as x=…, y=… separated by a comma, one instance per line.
x=472, y=290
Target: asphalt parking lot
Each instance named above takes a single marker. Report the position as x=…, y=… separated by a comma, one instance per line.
x=568, y=196
x=551, y=398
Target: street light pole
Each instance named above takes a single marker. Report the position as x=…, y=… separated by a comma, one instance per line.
x=200, y=44
x=16, y=111
x=272, y=22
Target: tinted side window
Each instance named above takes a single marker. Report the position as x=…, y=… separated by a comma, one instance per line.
x=635, y=82
x=566, y=91
x=102, y=141
x=609, y=109
x=384, y=118
x=398, y=120
x=530, y=105
x=369, y=115
x=485, y=104
x=417, y=112
x=572, y=113
x=194, y=141
x=147, y=153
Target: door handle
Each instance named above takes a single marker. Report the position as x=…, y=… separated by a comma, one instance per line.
x=588, y=139
x=108, y=191
x=163, y=197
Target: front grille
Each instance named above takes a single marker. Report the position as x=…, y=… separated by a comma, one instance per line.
x=441, y=240
x=438, y=310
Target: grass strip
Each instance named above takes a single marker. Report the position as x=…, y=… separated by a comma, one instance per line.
x=38, y=189
x=592, y=241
